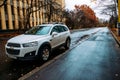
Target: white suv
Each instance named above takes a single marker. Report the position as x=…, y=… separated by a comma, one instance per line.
x=38, y=42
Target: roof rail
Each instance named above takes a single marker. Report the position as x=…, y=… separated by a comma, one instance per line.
x=53, y=23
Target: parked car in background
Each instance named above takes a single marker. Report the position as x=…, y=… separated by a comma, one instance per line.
x=38, y=42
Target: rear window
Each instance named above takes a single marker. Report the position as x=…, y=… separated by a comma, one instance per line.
x=62, y=28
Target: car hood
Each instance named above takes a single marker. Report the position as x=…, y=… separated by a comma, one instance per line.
x=26, y=38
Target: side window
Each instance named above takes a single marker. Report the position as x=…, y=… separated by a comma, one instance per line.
x=61, y=29
x=55, y=29
x=65, y=28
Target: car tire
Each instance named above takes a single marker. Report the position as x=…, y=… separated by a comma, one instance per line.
x=67, y=44
x=44, y=53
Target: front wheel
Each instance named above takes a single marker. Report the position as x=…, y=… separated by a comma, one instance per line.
x=44, y=53
x=67, y=44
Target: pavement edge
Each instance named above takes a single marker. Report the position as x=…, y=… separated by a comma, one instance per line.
x=115, y=37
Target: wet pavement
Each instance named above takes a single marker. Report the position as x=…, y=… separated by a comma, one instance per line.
x=97, y=58
x=12, y=70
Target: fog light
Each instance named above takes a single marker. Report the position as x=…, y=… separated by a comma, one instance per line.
x=30, y=54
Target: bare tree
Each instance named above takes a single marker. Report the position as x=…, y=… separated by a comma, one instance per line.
x=69, y=18
x=53, y=9
x=50, y=7
x=3, y=3
x=33, y=7
x=110, y=10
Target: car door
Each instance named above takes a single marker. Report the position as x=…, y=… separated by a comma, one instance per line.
x=63, y=34
x=55, y=38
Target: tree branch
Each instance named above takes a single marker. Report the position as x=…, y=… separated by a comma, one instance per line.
x=4, y=2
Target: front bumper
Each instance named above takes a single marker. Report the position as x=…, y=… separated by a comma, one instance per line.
x=29, y=53
x=28, y=56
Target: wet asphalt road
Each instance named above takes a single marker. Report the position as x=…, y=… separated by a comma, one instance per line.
x=12, y=70
x=97, y=58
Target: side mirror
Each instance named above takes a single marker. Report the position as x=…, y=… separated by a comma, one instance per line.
x=54, y=34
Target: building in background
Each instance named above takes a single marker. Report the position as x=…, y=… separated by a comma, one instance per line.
x=14, y=14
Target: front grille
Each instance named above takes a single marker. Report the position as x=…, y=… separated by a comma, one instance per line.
x=12, y=51
x=13, y=45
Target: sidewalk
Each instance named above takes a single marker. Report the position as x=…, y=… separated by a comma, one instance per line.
x=114, y=32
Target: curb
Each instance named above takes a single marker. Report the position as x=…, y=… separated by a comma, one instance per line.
x=41, y=67
x=115, y=37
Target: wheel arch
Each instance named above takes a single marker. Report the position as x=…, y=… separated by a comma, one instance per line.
x=45, y=44
x=39, y=54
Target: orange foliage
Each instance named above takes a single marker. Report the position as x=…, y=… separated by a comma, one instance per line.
x=89, y=13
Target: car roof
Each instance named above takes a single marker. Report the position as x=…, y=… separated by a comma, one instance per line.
x=51, y=24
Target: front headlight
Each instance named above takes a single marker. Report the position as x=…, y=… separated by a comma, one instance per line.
x=31, y=44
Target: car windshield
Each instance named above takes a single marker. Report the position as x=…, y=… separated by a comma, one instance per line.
x=39, y=30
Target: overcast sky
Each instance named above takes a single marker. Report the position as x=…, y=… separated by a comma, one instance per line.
x=70, y=5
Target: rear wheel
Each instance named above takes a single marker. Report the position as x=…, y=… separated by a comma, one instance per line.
x=44, y=53
x=67, y=44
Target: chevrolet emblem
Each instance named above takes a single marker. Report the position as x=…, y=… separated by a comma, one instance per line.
x=11, y=47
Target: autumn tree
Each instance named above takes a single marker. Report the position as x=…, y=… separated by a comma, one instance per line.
x=83, y=16
x=86, y=15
